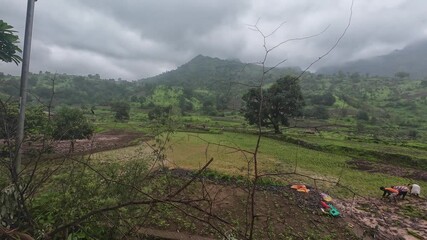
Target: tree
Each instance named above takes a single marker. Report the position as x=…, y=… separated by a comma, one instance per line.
x=160, y=114
x=280, y=102
x=402, y=75
x=71, y=124
x=319, y=112
x=122, y=110
x=8, y=42
x=362, y=115
x=326, y=99
x=35, y=121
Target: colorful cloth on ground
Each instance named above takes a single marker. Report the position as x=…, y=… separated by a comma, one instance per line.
x=324, y=205
x=325, y=197
x=300, y=188
x=333, y=211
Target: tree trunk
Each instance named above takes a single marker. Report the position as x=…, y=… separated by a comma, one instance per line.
x=277, y=129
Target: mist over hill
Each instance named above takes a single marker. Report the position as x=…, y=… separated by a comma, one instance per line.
x=214, y=74
x=411, y=59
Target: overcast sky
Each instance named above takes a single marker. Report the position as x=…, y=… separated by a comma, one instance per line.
x=134, y=39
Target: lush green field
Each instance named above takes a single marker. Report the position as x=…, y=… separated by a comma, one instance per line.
x=192, y=151
x=402, y=148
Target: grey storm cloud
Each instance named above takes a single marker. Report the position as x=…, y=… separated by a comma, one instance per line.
x=133, y=39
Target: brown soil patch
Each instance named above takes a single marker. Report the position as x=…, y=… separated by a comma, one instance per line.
x=405, y=219
x=99, y=142
x=374, y=167
x=281, y=213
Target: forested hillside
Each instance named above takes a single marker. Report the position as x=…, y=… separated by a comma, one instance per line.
x=68, y=89
x=390, y=106
x=215, y=74
x=381, y=105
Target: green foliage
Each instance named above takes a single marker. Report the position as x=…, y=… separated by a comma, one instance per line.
x=121, y=110
x=78, y=190
x=279, y=102
x=413, y=134
x=9, y=208
x=164, y=96
x=9, y=117
x=71, y=124
x=69, y=89
x=319, y=112
x=36, y=121
x=362, y=115
x=326, y=99
x=160, y=114
x=8, y=42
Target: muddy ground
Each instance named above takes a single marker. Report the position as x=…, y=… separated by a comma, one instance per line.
x=406, y=219
x=98, y=143
x=284, y=210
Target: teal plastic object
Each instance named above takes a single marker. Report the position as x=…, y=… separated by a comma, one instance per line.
x=333, y=211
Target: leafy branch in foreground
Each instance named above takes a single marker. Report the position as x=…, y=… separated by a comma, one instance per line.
x=8, y=44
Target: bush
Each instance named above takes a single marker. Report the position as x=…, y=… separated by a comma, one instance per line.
x=122, y=110
x=71, y=124
x=362, y=115
x=412, y=134
x=326, y=99
x=160, y=114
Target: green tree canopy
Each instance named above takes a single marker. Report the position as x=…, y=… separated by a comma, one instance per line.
x=35, y=121
x=8, y=42
x=279, y=102
x=71, y=124
x=164, y=96
x=122, y=110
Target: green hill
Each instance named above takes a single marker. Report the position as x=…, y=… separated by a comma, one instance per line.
x=392, y=106
x=215, y=74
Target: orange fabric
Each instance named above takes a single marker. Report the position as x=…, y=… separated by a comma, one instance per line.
x=300, y=188
x=392, y=190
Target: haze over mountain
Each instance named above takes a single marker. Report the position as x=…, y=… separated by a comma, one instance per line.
x=217, y=74
x=411, y=59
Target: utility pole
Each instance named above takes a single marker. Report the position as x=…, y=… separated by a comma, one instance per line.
x=23, y=89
